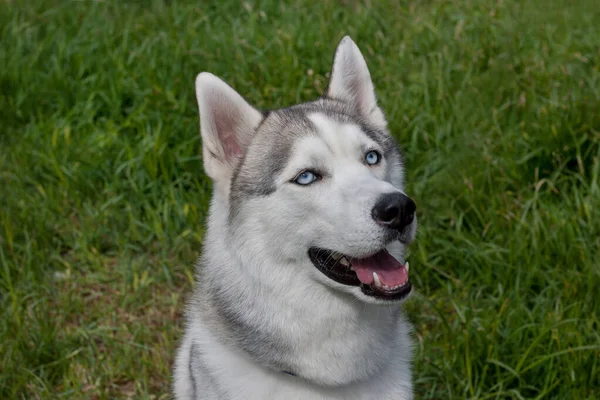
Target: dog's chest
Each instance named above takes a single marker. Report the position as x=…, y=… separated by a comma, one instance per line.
x=241, y=379
x=259, y=386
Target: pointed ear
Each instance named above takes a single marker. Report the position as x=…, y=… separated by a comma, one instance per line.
x=351, y=82
x=227, y=125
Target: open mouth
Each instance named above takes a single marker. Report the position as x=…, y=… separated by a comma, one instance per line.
x=379, y=275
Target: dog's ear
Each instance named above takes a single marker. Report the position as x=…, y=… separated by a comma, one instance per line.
x=227, y=125
x=351, y=82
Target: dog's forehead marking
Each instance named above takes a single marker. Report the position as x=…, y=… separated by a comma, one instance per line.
x=340, y=137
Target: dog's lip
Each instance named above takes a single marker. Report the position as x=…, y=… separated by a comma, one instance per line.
x=331, y=266
x=328, y=263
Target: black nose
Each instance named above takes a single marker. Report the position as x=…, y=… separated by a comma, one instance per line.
x=395, y=210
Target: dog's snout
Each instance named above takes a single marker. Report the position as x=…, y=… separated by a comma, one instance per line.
x=394, y=210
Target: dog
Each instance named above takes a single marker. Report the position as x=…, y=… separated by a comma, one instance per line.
x=300, y=283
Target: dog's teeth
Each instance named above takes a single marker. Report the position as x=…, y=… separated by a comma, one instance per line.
x=407, y=266
x=335, y=256
x=344, y=261
x=377, y=281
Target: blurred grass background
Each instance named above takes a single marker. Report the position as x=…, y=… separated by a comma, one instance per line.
x=103, y=199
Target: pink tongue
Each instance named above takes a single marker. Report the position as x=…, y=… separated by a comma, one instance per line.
x=390, y=271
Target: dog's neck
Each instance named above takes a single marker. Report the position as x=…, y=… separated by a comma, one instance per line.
x=295, y=325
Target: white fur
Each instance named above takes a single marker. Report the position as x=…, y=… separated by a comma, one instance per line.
x=334, y=337
x=245, y=380
x=342, y=344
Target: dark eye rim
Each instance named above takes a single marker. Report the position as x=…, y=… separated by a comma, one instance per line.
x=379, y=156
x=318, y=177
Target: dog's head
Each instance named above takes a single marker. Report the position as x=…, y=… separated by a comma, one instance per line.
x=316, y=189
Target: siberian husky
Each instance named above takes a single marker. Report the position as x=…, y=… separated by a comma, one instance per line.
x=302, y=273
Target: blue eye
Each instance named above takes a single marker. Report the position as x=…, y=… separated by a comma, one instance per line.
x=372, y=157
x=305, y=178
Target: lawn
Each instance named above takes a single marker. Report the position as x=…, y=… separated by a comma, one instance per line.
x=103, y=200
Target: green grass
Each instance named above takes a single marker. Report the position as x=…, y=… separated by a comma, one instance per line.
x=103, y=199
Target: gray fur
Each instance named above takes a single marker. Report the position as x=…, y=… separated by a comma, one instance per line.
x=197, y=368
x=259, y=306
x=269, y=151
x=267, y=346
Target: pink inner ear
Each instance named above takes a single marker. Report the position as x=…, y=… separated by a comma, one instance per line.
x=231, y=147
x=227, y=124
